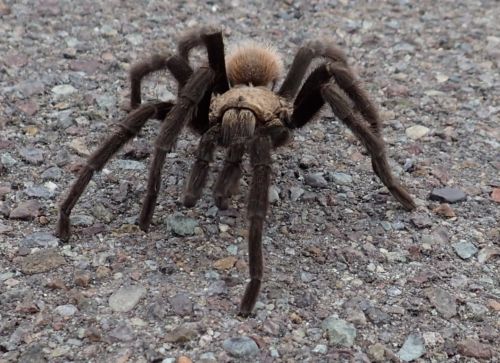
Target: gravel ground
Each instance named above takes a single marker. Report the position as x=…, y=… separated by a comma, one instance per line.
x=350, y=276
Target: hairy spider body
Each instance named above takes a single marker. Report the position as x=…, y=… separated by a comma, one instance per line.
x=243, y=108
x=231, y=103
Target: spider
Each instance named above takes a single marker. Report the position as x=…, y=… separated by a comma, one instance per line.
x=231, y=103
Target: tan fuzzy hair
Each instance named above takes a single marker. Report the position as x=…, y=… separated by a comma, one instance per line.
x=253, y=63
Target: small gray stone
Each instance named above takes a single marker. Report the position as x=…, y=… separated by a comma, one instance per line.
x=316, y=180
x=32, y=155
x=33, y=354
x=217, y=288
x=296, y=193
x=122, y=333
x=40, y=239
x=416, y=132
x=320, y=349
x=126, y=298
x=39, y=191
x=274, y=194
x=26, y=210
x=7, y=160
x=208, y=357
x=63, y=90
x=129, y=164
x=341, y=178
x=106, y=101
x=448, y=195
x=82, y=220
x=66, y=310
x=52, y=173
x=464, y=249
x=182, y=226
x=339, y=331
x=477, y=311
x=241, y=347
x=181, y=304
x=412, y=348
x=41, y=261
x=421, y=221
x=377, y=316
x=444, y=302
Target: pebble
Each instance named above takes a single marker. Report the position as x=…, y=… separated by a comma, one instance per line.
x=32, y=155
x=376, y=352
x=106, y=102
x=129, y=164
x=208, y=357
x=316, y=180
x=474, y=349
x=274, y=194
x=339, y=331
x=448, y=195
x=341, y=178
x=320, y=349
x=225, y=263
x=181, y=304
x=40, y=239
x=465, y=249
x=78, y=145
x=26, y=210
x=66, y=310
x=63, y=90
x=126, y=298
x=40, y=191
x=413, y=348
x=42, y=261
x=296, y=193
x=241, y=347
x=123, y=333
x=417, y=132
x=7, y=160
x=217, y=288
x=182, y=334
x=182, y=226
x=443, y=301
x=488, y=252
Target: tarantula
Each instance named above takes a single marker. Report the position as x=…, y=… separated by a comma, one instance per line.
x=231, y=103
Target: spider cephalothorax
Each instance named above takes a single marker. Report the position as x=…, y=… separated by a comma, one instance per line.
x=231, y=103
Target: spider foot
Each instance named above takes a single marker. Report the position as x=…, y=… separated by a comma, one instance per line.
x=222, y=202
x=250, y=298
x=403, y=197
x=189, y=200
x=63, y=229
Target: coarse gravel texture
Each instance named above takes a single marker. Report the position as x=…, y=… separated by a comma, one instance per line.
x=350, y=275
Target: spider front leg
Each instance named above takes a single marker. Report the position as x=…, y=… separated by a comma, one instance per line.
x=199, y=172
x=184, y=111
x=129, y=127
x=258, y=202
x=175, y=64
x=372, y=141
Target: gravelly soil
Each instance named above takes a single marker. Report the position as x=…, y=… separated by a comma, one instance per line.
x=349, y=274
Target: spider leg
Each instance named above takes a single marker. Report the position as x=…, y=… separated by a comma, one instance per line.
x=303, y=59
x=371, y=140
x=199, y=171
x=228, y=179
x=129, y=127
x=175, y=64
x=183, y=112
x=260, y=159
x=211, y=38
